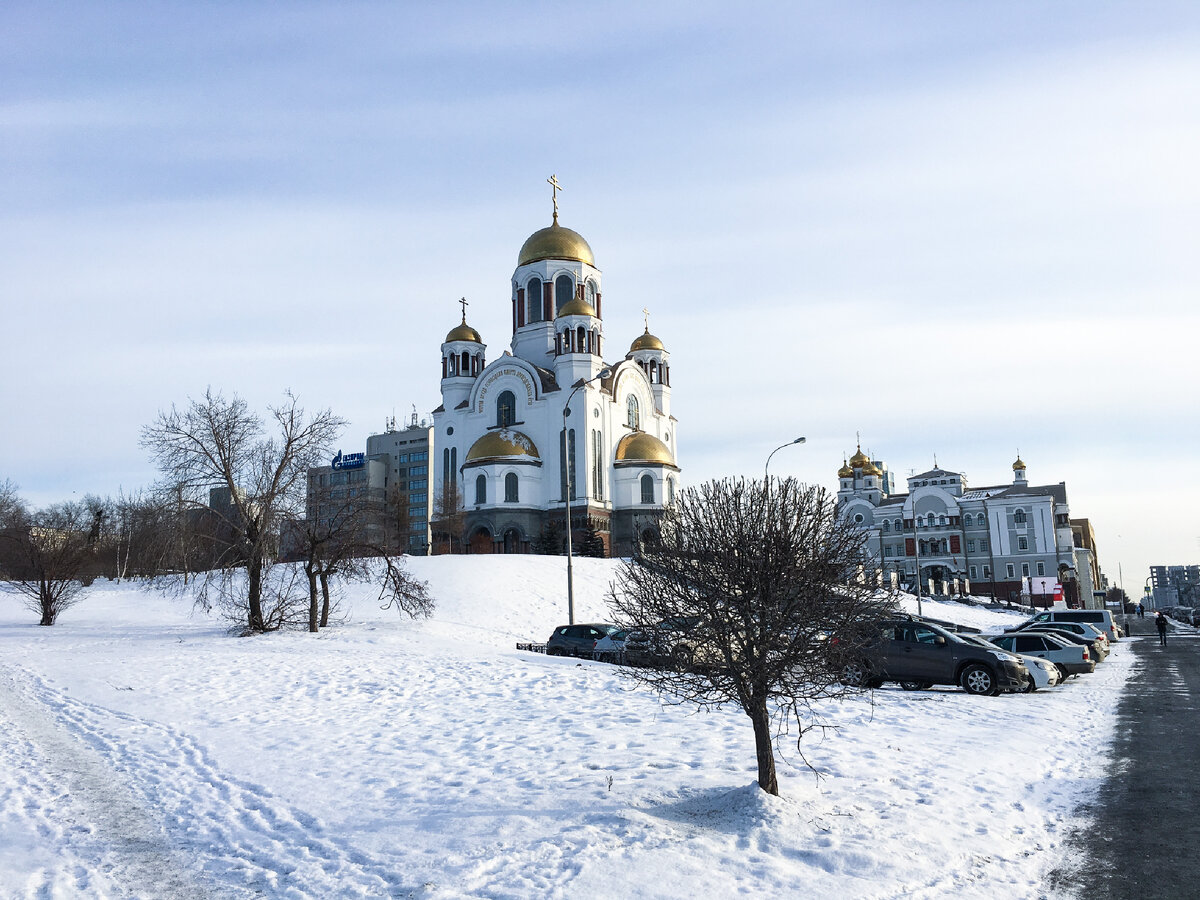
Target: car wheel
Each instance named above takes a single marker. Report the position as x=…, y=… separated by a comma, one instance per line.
x=978, y=679
x=855, y=674
x=1062, y=670
x=1031, y=687
x=916, y=685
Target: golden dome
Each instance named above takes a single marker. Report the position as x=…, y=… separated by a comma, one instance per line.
x=463, y=332
x=845, y=471
x=1018, y=465
x=860, y=460
x=646, y=341
x=502, y=443
x=642, y=447
x=577, y=307
x=871, y=469
x=555, y=242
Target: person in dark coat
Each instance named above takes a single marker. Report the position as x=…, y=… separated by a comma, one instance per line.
x=1141, y=611
x=1160, y=622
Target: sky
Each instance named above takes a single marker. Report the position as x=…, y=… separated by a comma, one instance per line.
x=962, y=231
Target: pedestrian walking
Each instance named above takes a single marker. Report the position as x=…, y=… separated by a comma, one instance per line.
x=1160, y=622
x=1141, y=611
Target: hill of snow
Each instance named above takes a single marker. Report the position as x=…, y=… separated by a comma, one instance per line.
x=145, y=752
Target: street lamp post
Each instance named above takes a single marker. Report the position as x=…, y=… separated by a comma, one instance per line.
x=767, y=465
x=566, y=450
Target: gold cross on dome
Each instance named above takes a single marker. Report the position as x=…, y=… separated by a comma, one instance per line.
x=464, y=304
x=555, y=188
x=646, y=316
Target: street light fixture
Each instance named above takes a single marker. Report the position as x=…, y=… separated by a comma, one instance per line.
x=566, y=451
x=767, y=465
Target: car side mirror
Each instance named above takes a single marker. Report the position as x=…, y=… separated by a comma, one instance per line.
x=940, y=641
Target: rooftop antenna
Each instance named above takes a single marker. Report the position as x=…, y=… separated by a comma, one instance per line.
x=414, y=416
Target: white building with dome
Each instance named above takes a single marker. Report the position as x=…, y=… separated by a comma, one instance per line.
x=502, y=454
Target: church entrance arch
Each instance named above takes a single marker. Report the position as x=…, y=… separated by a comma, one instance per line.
x=512, y=541
x=481, y=541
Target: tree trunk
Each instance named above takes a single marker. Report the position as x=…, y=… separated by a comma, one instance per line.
x=764, y=745
x=254, y=598
x=324, y=599
x=312, y=597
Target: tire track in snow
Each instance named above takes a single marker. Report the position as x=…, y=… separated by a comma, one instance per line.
x=249, y=842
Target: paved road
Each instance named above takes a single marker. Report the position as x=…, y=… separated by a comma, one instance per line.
x=1145, y=830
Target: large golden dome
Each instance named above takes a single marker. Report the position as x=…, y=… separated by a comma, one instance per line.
x=555, y=242
x=500, y=444
x=646, y=341
x=642, y=447
x=860, y=460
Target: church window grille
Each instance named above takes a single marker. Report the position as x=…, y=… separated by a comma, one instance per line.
x=533, y=300
x=647, y=489
x=564, y=290
x=1019, y=517
x=597, y=465
x=633, y=416
x=510, y=487
x=480, y=490
x=506, y=409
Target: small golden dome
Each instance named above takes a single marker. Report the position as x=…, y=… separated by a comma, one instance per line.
x=646, y=341
x=555, y=242
x=502, y=443
x=1018, y=465
x=577, y=307
x=860, y=460
x=642, y=447
x=463, y=332
x=845, y=471
x=871, y=469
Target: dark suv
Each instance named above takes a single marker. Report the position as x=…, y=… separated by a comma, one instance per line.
x=577, y=640
x=919, y=654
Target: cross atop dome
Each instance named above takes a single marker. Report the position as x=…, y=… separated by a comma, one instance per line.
x=555, y=188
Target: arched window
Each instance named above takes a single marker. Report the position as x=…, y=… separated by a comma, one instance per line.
x=591, y=292
x=670, y=490
x=633, y=416
x=480, y=490
x=533, y=300
x=564, y=291
x=1019, y=517
x=582, y=336
x=941, y=520
x=932, y=519
x=510, y=487
x=968, y=520
x=466, y=363
x=647, y=489
x=899, y=525
x=506, y=409
x=887, y=526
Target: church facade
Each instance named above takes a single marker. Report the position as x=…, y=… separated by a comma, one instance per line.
x=550, y=424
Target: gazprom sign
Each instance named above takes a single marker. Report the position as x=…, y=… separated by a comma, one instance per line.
x=349, y=460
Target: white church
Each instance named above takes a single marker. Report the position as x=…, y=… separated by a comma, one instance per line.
x=507, y=458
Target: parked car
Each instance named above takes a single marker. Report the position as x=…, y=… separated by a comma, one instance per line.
x=1182, y=614
x=1195, y=617
x=1096, y=640
x=918, y=654
x=578, y=640
x=1071, y=659
x=1042, y=672
x=611, y=647
x=1102, y=619
x=664, y=643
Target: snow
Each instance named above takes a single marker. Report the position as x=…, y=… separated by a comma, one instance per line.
x=146, y=752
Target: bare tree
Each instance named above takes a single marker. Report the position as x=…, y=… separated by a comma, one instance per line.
x=767, y=570
x=44, y=554
x=449, y=518
x=252, y=479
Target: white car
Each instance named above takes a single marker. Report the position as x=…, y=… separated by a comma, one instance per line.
x=1042, y=672
x=611, y=647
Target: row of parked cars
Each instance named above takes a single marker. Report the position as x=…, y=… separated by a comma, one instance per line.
x=913, y=652
x=1188, y=615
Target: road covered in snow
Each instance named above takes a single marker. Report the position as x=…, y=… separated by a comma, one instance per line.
x=146, y=752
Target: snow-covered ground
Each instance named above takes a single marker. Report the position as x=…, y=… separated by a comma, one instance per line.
x=145, y=752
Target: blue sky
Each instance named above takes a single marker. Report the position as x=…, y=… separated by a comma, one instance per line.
x=960, y=229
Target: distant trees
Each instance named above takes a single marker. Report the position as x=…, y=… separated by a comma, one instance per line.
x=253, y=475
x=449, y=518
x=768, y=570
x=45, y=553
